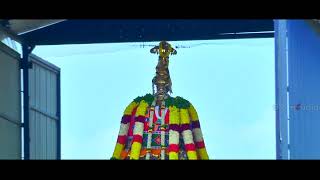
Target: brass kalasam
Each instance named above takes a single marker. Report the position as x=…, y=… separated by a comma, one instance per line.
x=162, y=79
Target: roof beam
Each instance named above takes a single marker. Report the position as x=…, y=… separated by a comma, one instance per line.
x=7, y=32
x=21, y=26
x=114, y=31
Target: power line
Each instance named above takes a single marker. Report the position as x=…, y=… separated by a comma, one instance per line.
x=180, y=46
x=142, y=45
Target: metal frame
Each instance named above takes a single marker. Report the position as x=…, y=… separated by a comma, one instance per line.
x=41, y=62
x=26, y=50
x=25, y=65
x=34, y=59
x=278, y=153
x=59, y=115
x=44, y=113
x=16, y=56
x=282, y=89
x=147, y=30
x=9, y=119
x=11, y=34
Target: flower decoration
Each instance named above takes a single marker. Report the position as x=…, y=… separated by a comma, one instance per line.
x=158, y=126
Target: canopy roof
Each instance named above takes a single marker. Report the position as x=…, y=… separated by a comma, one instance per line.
x=132, y=30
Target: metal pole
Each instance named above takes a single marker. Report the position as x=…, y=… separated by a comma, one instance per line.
x=26, y=50
x=59, y=116
x=277, y=124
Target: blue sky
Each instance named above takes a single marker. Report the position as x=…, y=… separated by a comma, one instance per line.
x=230, y=82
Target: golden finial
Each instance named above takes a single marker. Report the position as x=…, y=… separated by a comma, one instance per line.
x=162, y=79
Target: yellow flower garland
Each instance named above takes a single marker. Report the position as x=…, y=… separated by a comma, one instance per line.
x=184, y=116
x=174, y=118
x=180, y=114
x=117, y=151
x=142, y=108
x=203, y=153
x=192, y=155
x=193, y=113
x=123, y=131
x=135, y=150
x=173, y=156
x=138, y=130
x=197, y=132
x=130, y=108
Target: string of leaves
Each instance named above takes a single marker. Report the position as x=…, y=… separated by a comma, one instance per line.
x=178, y=101
x=148, y=98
